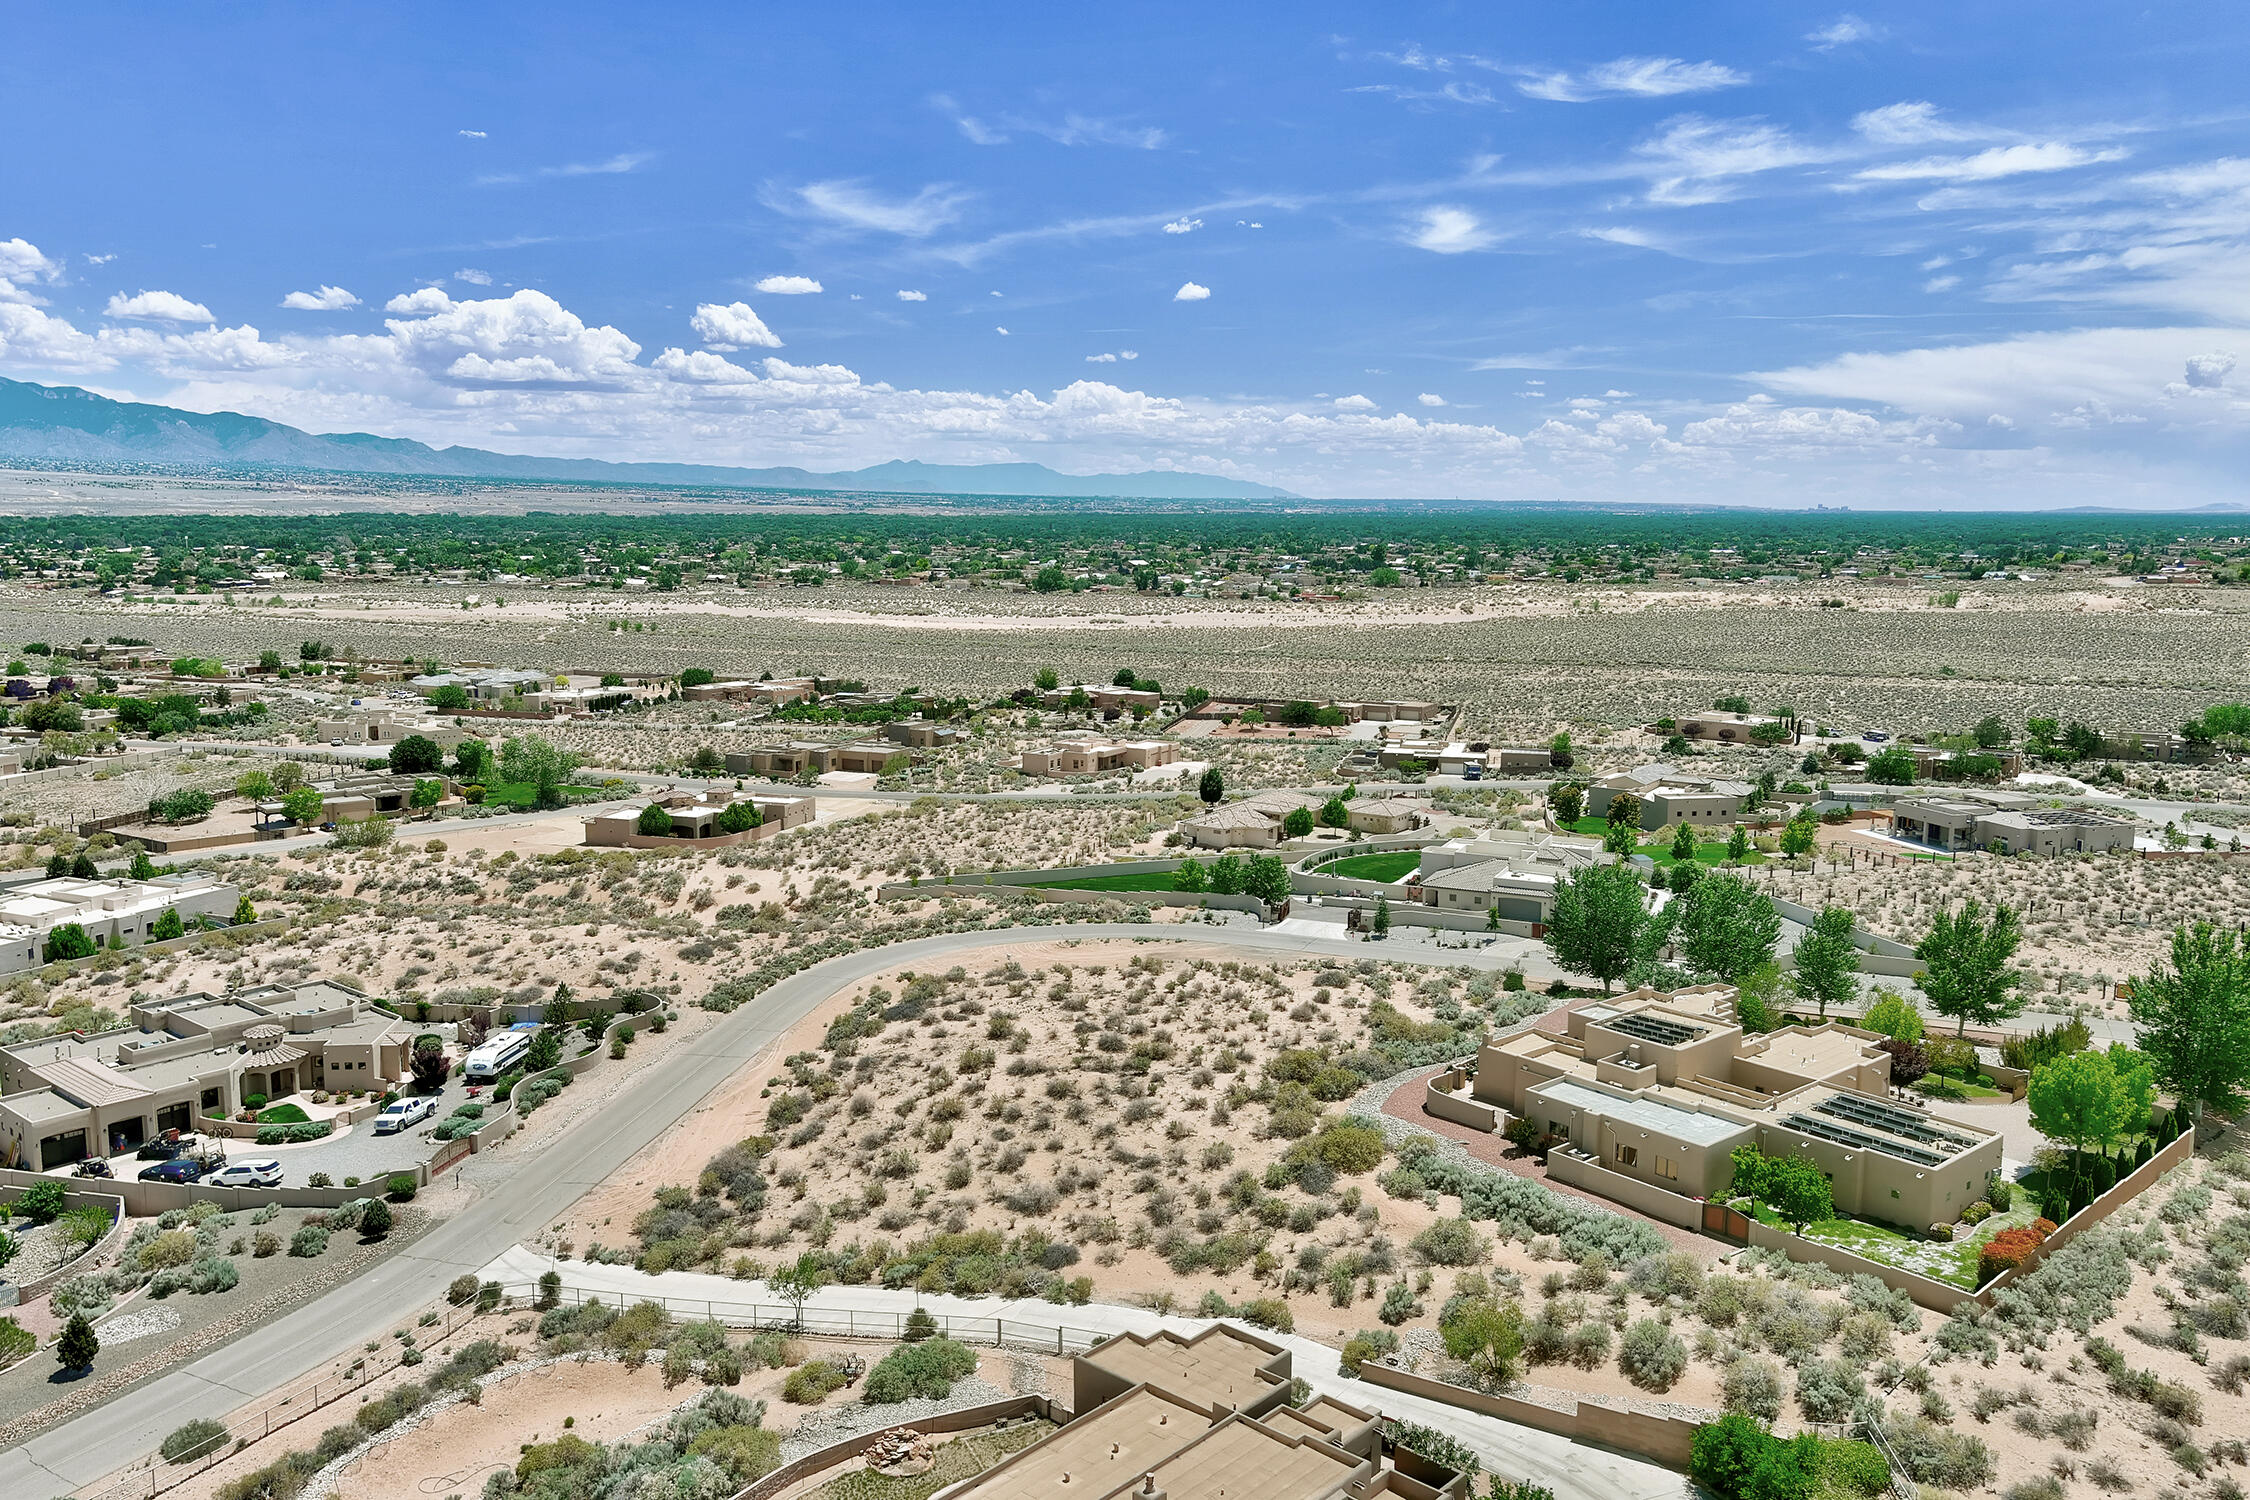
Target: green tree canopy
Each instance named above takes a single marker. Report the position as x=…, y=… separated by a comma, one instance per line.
x=1597, y=921
x=1212, y=787
x=2194, y=1019
x=1728, y=926
x=654, y=822
x=1894, y=1017
x=2090, y=1100
x=416, y=755
x=1827, y=960
x=1970, y=975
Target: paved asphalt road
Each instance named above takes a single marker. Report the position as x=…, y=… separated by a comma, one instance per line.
x=1568, y=1468
x=519, y=1195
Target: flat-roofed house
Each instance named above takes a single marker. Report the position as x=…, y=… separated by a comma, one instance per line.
x=1669, y=795
x=1660, y=1088
x=121, y=910
x=191, y=1056
x=2013, y=821
x=1729, y=728
x=1088, y=756
x=1205, y=1418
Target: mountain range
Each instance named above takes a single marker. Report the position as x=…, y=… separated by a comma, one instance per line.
x=67, y=423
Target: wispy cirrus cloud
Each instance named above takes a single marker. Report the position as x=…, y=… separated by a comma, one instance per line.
x=609, y=166
x=1630, y=77
x=848, y=203
x=1073, y=129
x=1994, y=162
x=1844, y=31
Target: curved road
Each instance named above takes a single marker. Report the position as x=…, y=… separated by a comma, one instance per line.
x=527, y=1192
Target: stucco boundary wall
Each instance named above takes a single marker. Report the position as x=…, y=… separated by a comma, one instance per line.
x=1869, y=944
x=1582, y=1172
x=13, y=1295
x=1405, y=913
x=1439, y=1098
x=964, y=1420
x=2139, y=1181
x=263, y=927
x=755, y=835
x=1302, y=877
x=145, y=1200
x=1667, y=1440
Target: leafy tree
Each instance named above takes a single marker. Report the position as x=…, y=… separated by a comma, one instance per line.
x=1991, y=732
x=1226, y=875
x=1046, y=679
x=83, y=867
x=58, y=867
x=740, y=817
x=2090, y=1100
x=1568, y=801
x=1894, y=1017
x=244, y=912
x=546, y=1051
x=451, y=698
x=1298, y=823
x=166, y=926
x=1738, y=844
x=1190, y=876
x=77, y=1347
x=1050, y=580
x=428, y=792
x=302, y=806
x=1381, y=924
x=1597, y=921
x=1792, y=1187
x=1728, y=926
x=416, y=755
x=473, y=760
x=183, y=806
x=1799, y=837
x=1212, y=787
x=533, y=759
x=654, y=822
x=1267, y=878
x=144, y=868
x=288, y=776
x=1487, y=1336
x=2194, y=1019
x=253, y=786
x=795, y=1283
x=66, y=940
x=1625, y=808
x=1683, y=843
x=1621, y=839
x=1893, y=765
x=557, y=1010
x=1334, y=813
x=1828, y=960
x=1968, y=974
x=429, y=1064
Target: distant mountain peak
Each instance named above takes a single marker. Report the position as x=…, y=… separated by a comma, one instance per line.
x=66, y=422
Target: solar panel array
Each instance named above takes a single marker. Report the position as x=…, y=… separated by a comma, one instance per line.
x=1881, y=1116
x=1859, y=1140
x=1654, y=1029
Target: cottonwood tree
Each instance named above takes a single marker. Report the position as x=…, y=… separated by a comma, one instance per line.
x=1597, y=922
x=2091, y=1100
x=1969, y=974
x=2194, y=1019
x=1728, y=926
x=1827, y=960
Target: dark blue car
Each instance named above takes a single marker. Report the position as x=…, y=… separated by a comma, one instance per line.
x=173, y=1171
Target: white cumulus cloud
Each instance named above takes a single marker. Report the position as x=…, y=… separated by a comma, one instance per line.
x=1192, y=292
x=158, y=307
x=733, y=326
x=1101, y=359
x=327, y=299
x=1430, y=398
x=473, y=277
x=1183, y=225
x=788, y=286
x=2209, y=371
x=911, y=296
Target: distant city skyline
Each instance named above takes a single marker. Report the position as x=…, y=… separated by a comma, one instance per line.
x=1904, y=257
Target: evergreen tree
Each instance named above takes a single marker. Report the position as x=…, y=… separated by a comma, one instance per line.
x=76, y=1349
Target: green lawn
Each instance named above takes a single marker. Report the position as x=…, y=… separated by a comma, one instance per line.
x=1383, y=867
x=1946, y=1086
x=1953, y=1261
x=1148, y=880
x=1660, y=850
x=523, y=794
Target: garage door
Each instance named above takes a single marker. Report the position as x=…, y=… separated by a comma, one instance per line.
x=61, y=1150
x=172, y=1117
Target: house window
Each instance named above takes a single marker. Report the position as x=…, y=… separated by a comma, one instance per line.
x=1667, y=1169
x=210, y=1099
x=1628, y=1155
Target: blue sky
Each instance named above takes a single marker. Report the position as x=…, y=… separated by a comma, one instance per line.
x=1985, y=255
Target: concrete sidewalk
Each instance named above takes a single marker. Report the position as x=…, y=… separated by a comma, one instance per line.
x=1569, y=1469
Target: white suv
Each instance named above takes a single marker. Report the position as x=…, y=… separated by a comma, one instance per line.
x=259, y=1172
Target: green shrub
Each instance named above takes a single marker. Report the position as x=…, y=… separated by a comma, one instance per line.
x=1853, y=1467
x=283, y=1114
x=1450, y=1242
x=308, y=1241
x=192, y=1440
x=925, y=1368
x=1651, y=1354
x=42, y=1202
x=401, y=1187
x=812, y=1381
